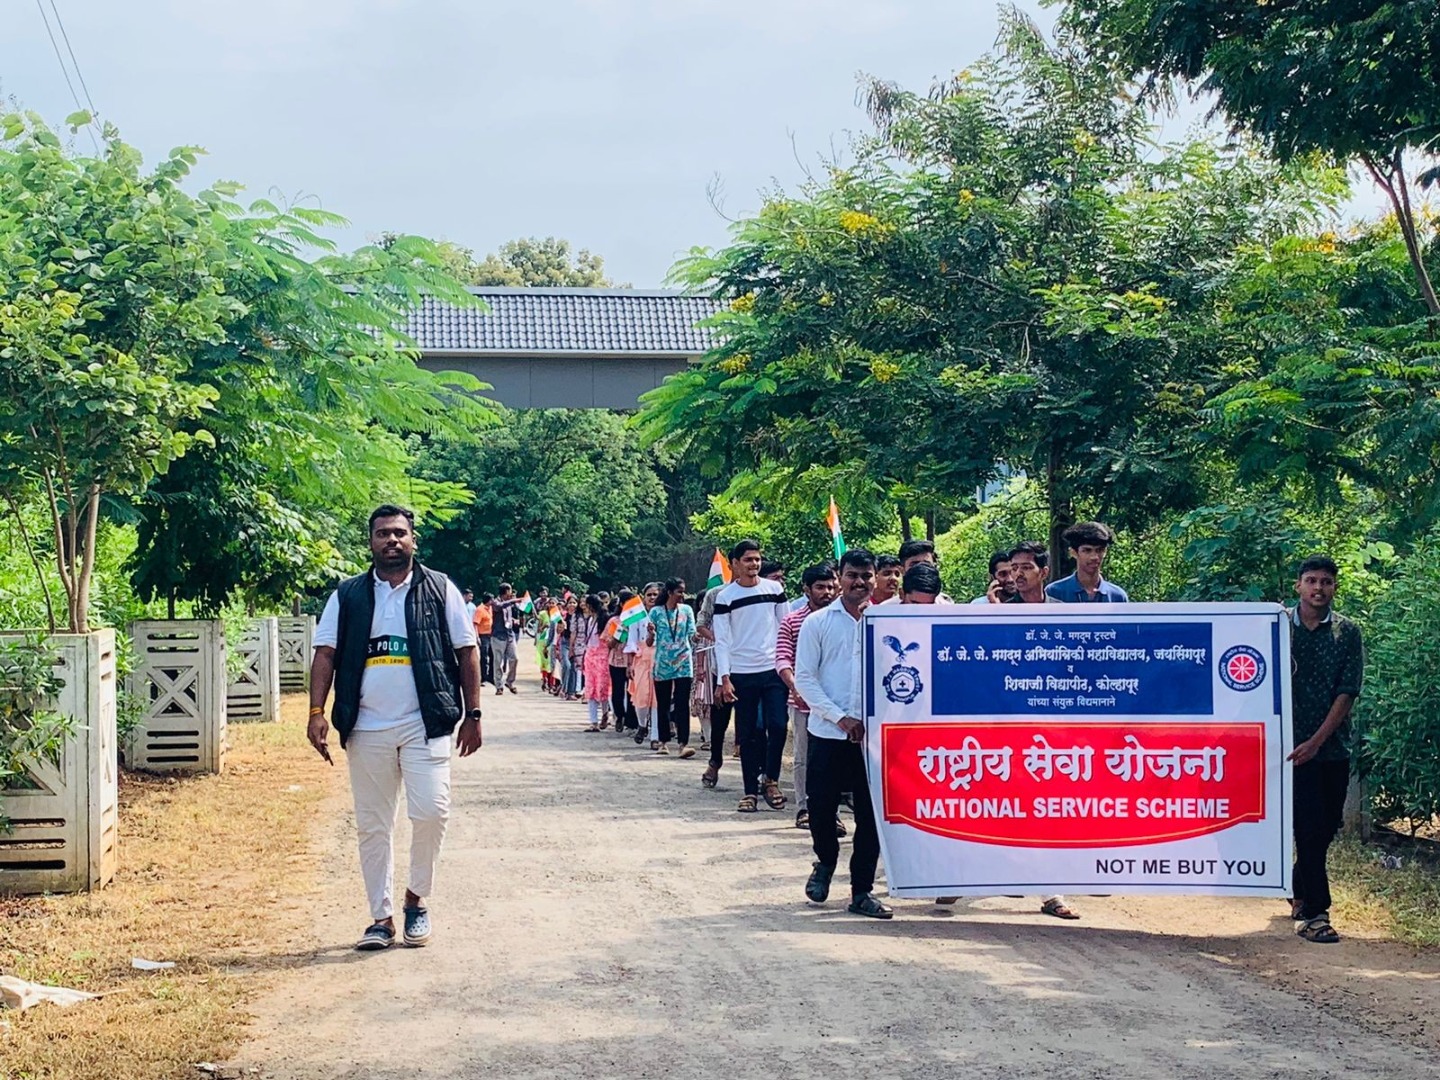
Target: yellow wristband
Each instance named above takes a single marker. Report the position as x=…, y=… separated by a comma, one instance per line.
x=317, y=710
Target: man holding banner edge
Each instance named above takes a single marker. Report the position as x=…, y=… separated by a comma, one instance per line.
x=828, y=668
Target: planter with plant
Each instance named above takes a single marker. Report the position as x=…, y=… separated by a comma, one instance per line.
x=58, y=791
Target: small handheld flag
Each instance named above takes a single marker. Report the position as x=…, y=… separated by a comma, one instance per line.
x=526, y=604
x=633, y=612
x=719, y=571
x=833, y=520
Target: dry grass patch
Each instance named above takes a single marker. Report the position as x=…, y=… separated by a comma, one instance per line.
x=1403, y=903
x=212, y=873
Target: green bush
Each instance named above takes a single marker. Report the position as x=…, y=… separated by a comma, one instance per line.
x=30, y=731
x=1399, y=712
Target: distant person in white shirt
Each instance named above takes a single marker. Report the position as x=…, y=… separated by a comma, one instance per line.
x=747, y=621
x=397, y=646
x=828, y=659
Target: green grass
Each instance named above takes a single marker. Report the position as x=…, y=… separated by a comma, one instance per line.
x=1403, y=904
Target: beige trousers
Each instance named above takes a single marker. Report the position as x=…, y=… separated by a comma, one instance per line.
x=379, y=761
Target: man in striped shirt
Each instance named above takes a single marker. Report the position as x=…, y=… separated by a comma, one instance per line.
x=819, y=585
x=747, y=619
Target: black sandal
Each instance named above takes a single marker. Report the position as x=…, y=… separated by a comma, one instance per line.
x=1319, y=931
x=710, y=776
x=774, y=797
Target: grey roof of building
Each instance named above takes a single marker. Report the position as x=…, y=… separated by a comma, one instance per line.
x=600, y=322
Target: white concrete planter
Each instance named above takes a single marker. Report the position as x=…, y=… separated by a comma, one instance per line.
x=179, y=678
x=64, y=830
x=255, y=695
x=297, y=637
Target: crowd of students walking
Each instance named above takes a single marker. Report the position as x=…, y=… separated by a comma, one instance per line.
x=408, y=657
x=677, y=668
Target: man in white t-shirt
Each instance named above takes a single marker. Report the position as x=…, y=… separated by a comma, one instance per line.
x=397, y=647
x=747, y=621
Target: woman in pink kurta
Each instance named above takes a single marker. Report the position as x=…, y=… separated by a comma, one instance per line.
x=587, y=629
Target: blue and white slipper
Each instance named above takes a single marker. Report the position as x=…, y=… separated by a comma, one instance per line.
x=377, y=936
x=417, y=927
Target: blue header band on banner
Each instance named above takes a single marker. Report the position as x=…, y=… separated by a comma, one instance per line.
x=1098, y=669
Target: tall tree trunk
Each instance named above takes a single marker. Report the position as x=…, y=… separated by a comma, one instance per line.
x=905, y=533
x=34, y=561
x=1062, y=516
x=1391, y=178
x=930, y=525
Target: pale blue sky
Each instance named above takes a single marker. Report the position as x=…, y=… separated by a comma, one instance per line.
x=602, y=121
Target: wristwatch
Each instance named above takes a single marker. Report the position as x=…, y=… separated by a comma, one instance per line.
x=472, y=714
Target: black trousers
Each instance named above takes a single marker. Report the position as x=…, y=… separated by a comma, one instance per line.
x=720, y=713
x=672, y=709
x=1320, y=788
x=835, y=766
x=620, y=703
x=762, y=719
x=487, y=662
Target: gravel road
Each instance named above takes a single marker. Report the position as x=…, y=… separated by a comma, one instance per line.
x=598, y=914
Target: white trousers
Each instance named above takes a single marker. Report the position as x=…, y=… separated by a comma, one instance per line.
x=798, y=722
x=378, y=761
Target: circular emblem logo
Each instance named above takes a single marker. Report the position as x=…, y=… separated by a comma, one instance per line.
x=902, y=685
x=1242, y=668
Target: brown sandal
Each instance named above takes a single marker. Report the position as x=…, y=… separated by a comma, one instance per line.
x=774, y=797
x=710, y=776
x=1057, y=909
x=747, y=805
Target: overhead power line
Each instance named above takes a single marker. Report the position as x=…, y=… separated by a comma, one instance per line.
x=65, y=71
x=65, y=36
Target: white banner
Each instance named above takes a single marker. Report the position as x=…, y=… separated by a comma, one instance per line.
x=1106, y=748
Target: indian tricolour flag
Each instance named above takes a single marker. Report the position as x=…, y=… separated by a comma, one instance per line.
x=719, y=571
x=633, y=612
x=526, y=604
x=833, y=520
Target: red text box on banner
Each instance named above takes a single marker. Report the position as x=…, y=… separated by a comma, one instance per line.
x=1060, y=785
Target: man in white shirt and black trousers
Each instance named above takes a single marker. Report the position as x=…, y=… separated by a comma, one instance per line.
x=397, y=645
x=828, y=666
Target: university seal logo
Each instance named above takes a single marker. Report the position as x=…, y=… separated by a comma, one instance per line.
x=1242, y=668
x=902, y=684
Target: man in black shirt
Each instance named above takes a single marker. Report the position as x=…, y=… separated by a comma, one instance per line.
x=1328, y=668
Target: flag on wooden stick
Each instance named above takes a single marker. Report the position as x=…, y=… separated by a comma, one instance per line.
x=719, y=571
x=833, y=520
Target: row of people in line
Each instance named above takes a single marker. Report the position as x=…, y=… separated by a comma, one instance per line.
x=735, y=654
x=399, y=647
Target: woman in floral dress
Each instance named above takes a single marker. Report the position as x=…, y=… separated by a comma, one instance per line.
x=672, y=624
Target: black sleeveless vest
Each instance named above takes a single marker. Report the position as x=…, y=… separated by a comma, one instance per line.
x=432, y=655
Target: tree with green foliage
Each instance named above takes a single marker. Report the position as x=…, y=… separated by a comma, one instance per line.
x=139, y=324
x=110, y=279
x=529, y=263
x=1326, y=377
x=1003, y=283
x=558, y=493
x=318, y=395
x=1352, y=79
